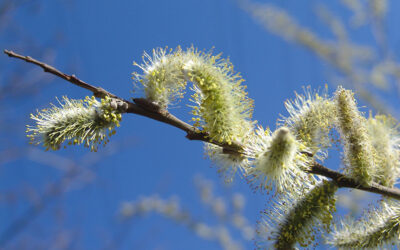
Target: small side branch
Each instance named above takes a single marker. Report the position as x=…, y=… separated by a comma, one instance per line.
x=143, y=107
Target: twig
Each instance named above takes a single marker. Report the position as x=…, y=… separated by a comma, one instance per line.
x=143, y=107
x=97, y=91
x=344, y=181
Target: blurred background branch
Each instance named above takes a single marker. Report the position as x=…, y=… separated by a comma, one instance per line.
x=369, y=67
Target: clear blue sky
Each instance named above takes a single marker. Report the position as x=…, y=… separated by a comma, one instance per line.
x=98, y=41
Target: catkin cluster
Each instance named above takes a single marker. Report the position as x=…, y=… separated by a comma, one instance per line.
x=276, y=161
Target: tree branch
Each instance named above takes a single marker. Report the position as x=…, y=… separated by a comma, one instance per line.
x=140, y=106
x=144, y=107
x=344, y=181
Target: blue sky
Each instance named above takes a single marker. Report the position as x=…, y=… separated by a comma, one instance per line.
x=98, y=41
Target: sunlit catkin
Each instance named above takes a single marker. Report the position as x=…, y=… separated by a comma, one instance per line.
x=378, y=229
x=358, y=150
x=222, y=108
x=310, y=119
x=279, y=163
x=294, y=219
x=87, y=122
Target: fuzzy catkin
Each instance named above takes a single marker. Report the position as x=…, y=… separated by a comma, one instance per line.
x=294, y=219
x=279, y=164
x=311, y=119
x=222, y=108
x=379, y=228
x=385, y=138
x=358, y=150
x=87, y=122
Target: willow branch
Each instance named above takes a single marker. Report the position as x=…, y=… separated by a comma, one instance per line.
x=139, y=106
x=344, y=181
x=144, y=107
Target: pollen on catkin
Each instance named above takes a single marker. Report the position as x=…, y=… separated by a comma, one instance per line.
x=378, y=229
x=222, y=107
x=87, y=122
x=279, y=163
x=162, y=78
x=294, y=219
x=358, y=150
